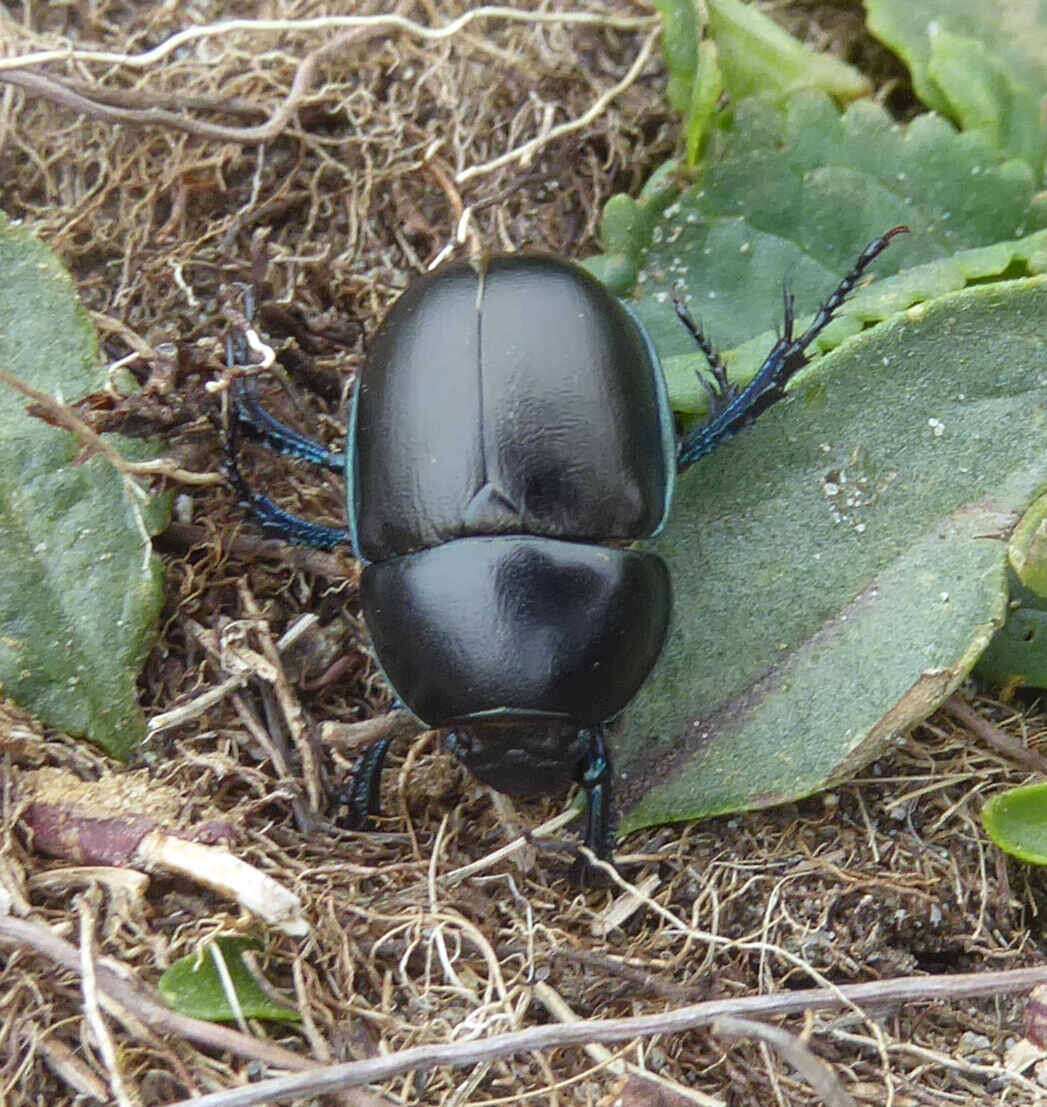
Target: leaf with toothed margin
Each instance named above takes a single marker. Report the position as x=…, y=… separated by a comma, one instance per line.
x=840, y=565
x=790, y=196
x=80, y=590
x=982, y=63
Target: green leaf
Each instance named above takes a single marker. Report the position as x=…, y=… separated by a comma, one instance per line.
x=627, y=226
x=759, y=58
x=1017, y=655
x=705, y=99
x=792, y=194
x=80, y=590
x=1017, y=822
x=194, y=986
x=1024, y=256
x=981, y=62
x=839, y=567
x=745, y=53
x=680, y=35
x=695, y=78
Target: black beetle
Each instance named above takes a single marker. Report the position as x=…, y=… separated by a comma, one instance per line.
x=510, y=435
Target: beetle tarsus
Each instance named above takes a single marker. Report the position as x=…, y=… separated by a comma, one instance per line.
x=363, y=796
x=719, y=389
x=787, y=356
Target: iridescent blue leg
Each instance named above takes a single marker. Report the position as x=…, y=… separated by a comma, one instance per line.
x=597, y=780
x=731, y=408
x=276, y=522
x=259, y=425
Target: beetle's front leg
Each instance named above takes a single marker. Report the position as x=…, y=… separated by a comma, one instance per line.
x=363, y=796
x=597, y=779
x=264, y=427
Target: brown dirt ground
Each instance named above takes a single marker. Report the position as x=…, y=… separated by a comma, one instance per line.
x=889, y=875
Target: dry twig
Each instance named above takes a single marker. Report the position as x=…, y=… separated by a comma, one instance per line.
x=421, y=1058
x=993, y=736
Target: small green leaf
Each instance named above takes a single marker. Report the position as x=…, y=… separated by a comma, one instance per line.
x=194, y=986
x=759, y=58
x=680, y=34
x=1017, y=822
x=705, y=98
x=1017, y=655
x=80, y=590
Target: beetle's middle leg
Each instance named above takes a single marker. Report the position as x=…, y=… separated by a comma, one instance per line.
x=249, y=415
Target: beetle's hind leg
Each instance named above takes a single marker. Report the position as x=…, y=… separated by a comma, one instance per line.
x=786, y=357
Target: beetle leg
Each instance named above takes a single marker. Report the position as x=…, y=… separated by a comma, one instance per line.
x=363, y=796
x=719, y=390
x=596, y=779
x=276, y=522
x=786, y=358
x=260, y=425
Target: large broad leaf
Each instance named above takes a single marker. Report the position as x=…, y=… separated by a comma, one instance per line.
x=808, y=570
x=79, y=589
x=839, y=567
x=980, y=62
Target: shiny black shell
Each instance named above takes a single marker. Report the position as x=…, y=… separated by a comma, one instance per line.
x=509, y=423
x=523, y=399
x=517, y=625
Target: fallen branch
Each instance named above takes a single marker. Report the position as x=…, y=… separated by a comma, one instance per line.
x=879, y=993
